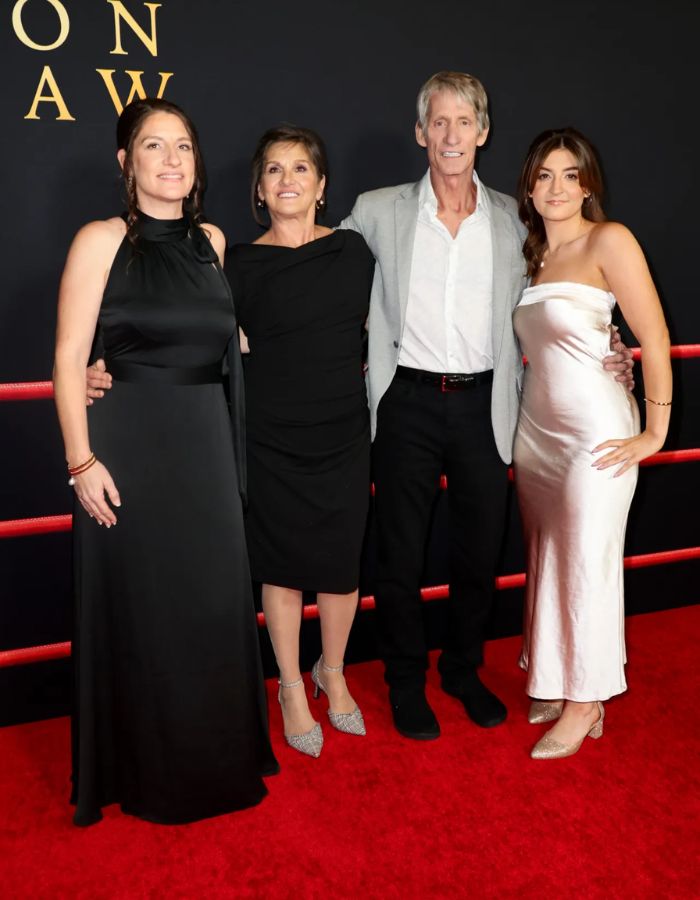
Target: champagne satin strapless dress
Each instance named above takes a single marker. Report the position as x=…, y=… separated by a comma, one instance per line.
x=574, y=516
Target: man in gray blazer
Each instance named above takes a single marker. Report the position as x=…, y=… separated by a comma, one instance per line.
x=444, y=381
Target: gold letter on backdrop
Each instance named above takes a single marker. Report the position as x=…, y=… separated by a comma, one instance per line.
x=53, y=97
x=24, y=37
x=120, y=12
x=137, y=88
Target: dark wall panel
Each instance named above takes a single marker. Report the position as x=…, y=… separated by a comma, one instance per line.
x=625, y=74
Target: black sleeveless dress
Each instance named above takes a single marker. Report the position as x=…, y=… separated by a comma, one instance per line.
x=170, y=718
x=303, y=310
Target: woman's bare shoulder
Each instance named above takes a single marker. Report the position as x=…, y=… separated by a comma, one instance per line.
x=99, y=239
x=612, y=236
x=216, y=237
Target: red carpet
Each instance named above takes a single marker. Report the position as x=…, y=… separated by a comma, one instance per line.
x=468, y=815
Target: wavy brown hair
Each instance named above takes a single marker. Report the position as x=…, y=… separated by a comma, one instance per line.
x=288, y=134
x=129, y=126
x=590, y=178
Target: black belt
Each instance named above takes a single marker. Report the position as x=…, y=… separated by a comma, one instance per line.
x=450, y=381
x=140, y=374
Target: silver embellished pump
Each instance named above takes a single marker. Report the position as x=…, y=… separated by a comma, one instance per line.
x=350, y=723
x=309, y=742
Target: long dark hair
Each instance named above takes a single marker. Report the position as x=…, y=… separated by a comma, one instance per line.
x=129, y=125
x=288, y=134
x=590, y=178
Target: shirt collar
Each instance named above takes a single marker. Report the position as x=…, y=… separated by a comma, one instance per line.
x=427, y=198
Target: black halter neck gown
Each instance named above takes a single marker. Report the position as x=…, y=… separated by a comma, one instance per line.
x=170, y=714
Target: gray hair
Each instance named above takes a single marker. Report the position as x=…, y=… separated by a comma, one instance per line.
x=466, y=87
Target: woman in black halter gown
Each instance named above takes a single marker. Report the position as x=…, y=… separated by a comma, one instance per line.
x=170, y=717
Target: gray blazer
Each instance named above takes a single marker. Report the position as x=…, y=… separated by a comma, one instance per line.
x=387, y=220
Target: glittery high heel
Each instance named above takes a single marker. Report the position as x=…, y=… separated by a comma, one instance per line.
x=350, y=723
x=310, y=742
x=548, y=748
x=543, y=711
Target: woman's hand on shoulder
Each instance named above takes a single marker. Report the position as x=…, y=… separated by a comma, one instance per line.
x=217, y=239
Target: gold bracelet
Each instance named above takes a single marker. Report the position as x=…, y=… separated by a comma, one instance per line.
x=657, y=402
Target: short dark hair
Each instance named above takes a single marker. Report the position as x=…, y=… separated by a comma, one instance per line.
x=590, y=178
x=287, y=133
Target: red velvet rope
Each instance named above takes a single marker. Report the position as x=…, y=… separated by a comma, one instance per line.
x=26, y=655
x=22, y=656
x=43, y=390
x=38, y=390
x=27, y=390
x=39, y=525
x=680, y=351
x=47, y=524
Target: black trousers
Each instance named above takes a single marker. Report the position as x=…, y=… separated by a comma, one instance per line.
x=421, y=433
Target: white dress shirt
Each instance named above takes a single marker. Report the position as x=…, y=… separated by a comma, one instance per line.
x=448, y=317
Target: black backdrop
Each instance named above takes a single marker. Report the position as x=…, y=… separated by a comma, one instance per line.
x=623, y=73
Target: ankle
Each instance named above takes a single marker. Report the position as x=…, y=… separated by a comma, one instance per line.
x=575, y=709
x=332, y=666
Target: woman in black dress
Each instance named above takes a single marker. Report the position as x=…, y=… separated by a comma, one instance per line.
x=302, y=296
x=170, y=716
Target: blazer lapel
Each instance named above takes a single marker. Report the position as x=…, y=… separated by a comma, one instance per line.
x=406, y=217
x=502, y=250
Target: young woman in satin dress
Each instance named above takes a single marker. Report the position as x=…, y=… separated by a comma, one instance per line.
x=578, y=442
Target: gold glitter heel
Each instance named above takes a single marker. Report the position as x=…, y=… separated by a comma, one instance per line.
x=350, y=723
x=548, y=748
x=543, y=711
x=310, y=742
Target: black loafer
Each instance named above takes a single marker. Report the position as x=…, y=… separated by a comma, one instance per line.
x=482, y=706
x=412, y=715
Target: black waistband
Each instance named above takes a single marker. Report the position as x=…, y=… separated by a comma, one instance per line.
x=448, y=381
x=140, y=374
